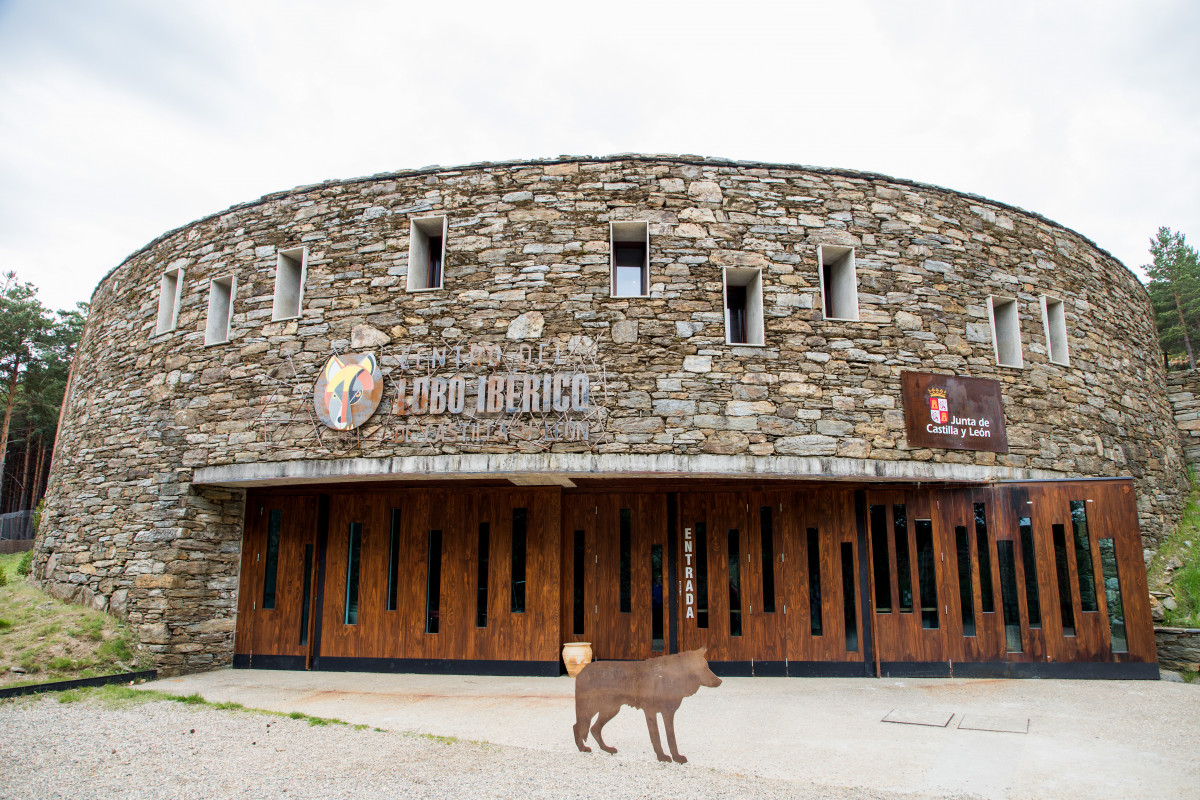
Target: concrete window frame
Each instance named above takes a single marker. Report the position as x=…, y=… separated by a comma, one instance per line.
x=291, y=269
x=635, y=233
x=839, y=282
x=749, y=280
x=221, y=292
x=1054, y=322
x=170, y=291
x=1006, y=330
x=427, y=253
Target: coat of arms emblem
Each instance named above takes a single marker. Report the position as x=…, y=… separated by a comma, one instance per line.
x=939, y=409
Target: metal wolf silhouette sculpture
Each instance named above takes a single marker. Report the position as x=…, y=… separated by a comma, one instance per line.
x=657, y=685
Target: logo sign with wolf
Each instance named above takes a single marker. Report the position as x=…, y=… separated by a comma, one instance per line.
x=348, y=390
x=656, y=686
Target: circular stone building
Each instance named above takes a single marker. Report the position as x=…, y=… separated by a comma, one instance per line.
x=819, y=421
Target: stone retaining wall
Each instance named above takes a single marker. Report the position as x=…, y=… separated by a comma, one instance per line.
x=1183, y=390
x=1178, y=648
x=527, y=263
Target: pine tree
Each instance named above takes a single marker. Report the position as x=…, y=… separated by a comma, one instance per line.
x=23, y=328
x=1175, y=292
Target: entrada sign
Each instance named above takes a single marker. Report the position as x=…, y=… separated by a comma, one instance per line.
x=953, y=413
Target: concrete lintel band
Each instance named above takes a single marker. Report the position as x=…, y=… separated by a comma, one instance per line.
x=576, y=465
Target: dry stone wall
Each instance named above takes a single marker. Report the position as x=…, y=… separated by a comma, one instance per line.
x=527, y=262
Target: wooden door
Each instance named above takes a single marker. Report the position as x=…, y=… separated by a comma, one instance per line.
x=974, y=624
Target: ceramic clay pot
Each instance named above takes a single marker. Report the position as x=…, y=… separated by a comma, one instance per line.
x=576, y=655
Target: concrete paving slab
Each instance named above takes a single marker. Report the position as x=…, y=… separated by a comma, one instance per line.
x=1086, y=739
x=921, y=716
x=980, y=722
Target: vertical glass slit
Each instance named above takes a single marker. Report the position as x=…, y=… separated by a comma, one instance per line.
x=577, y=588
x=927, y=573
x=433, y=583
x=701, y=575
x=814, y=582
x=1008, y=595
x=394, y=561
x=735, y=585
x=517, y=600
x=626, y=559
x=987, y=595
x=353, y=555
x=481, y=580
x=903, y=566
x=962, y=546
x=767, y=532
x=1112, y=595
x=1083, y=557
x=1063, y=575
x=881, y=560
x=1031, y=579
x=656, y=598
x=306, y=598
x=849, y=603
x=274, y=528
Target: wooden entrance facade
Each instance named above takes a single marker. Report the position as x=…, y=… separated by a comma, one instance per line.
x=1037, y=579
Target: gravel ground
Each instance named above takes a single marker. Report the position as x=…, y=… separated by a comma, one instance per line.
x=164, y=749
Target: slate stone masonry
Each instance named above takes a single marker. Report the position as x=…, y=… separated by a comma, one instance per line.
x=527, y=260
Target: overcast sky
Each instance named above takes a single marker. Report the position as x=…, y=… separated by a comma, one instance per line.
x=120, y=119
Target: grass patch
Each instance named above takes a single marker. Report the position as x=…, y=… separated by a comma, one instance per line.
x=1181, y=582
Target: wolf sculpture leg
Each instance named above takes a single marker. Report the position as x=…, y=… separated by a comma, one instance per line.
x=605, y=715
x=582, y=720
x=669, y=723
x=652, y=726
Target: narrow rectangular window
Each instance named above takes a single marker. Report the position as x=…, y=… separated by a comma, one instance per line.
x=903, y=564
x=927, y=572
x=578, y=584
x=1008, y=596
x=170, y=288
x=306, y=598
x=1063, y=575
x=1083, y=557
x=767, y=533
x=966, y=597
x=220, y=309
x=814, y=582
x=517, y=601
x=626, y=560
x=1006, y=331
x=433, y=582
x=839, y=282
x=1054, y=320
x=426, y=253
x=481, y=575
x=656, y=598
x=393, y=561
x=1112, y=595
x=881, y=559
x=743, y=306
x=290, y=269
x=630, y=245
x=353, y=555
x=701, y=575
x=1025, y=524
x=987, y=595
x=735, y=585
x=271, y=566
x=849, y=601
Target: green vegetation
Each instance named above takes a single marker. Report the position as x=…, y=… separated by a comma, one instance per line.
x=54, y=641
x=1175, y=293
x=1175, y=569
x=25, y=563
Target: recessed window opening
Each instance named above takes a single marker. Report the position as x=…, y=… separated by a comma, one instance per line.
x=881, y=560
x=271, y=567
x=220, y=309
x=426, y=253
x=927, y=572
x=1112, y=595
x=481, y=591
x=630, y=244
x=1083, y=557
x=393, y=561
x=626, y=560
x=1006, y=331
x=353, y=558
x=170, y=288
x=577, y=587
x=701, y=575
x=517, y=599
x=814, y=582
x=743, y=306
x=849, y=601
x=1054, y=320
x=656, y=598
x=903, y=564
x=290, y=269
x=839, y=283
x=433, y=583
x=306, y=598
x=1032, y=603
x=1063, y=575
x=987, y=595
x=966, y=599
x=1008, y=596
x=767, y=536
x=735, y=585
